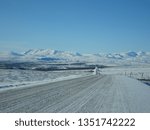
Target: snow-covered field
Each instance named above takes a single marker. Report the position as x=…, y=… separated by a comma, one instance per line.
x=138, y=72
x=115, y=89
x=17, y=78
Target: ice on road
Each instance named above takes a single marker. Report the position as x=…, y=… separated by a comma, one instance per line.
x=96, y=94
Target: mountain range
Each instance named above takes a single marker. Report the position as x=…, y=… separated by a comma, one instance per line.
x=49, y=55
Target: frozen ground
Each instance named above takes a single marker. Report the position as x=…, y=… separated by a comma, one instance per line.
x=95, y=93
x=115, y=90
x=17, y=78
x=137, y=72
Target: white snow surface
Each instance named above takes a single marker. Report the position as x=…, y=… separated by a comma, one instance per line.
x=137, y=72
x=20, y=78
x=95, y=93
x=136, y=94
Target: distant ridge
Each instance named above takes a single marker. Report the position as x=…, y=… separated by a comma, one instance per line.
x=49, y=55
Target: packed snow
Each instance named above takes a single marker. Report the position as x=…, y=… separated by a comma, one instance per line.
x=95, y=93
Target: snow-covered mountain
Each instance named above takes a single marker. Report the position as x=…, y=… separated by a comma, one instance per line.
x=49, y=55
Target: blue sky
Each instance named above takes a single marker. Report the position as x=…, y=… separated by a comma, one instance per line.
x=86, y=26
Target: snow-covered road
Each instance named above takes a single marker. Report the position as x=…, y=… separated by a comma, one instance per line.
x=107, y=93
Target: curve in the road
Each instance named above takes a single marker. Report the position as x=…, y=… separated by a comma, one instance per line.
x=107, y=93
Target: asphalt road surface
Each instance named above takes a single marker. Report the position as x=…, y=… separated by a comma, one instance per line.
x=95, y=94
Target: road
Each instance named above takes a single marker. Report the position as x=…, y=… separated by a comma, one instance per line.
x=92, y=94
